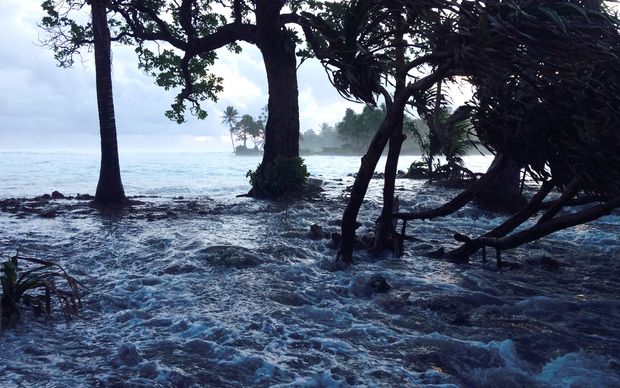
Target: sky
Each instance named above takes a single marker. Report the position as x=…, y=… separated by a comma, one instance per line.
x=44, y=107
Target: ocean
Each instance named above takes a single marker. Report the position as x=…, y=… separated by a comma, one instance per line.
x=192, y=286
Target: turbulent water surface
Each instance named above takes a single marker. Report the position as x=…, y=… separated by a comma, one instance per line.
x=192, y=286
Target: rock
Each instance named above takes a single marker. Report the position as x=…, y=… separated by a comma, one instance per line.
x=314, y=182
x=230, y=256
x=378, y=284
x=127, y=355
x=57, y=195
x=366, y=286
x=316, y=232
x=44, y=197
x=84, y=197
x=178, y=269
x=50, y=212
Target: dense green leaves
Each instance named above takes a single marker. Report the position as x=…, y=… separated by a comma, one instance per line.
x=284, y=176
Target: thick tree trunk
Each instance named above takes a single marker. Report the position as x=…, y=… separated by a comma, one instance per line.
x=110, y=187
x=503, y=193
x=457, y=202
x=282, y=127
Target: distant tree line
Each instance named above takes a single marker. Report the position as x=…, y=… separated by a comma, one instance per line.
x=354, y=132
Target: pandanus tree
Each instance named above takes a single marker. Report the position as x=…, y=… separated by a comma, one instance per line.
x=545, y=46
x=382, y=48
x=559, y=120
x=547, y=98
x=110, y=190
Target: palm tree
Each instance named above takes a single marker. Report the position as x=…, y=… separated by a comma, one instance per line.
x=110, y=187
x=231, y=118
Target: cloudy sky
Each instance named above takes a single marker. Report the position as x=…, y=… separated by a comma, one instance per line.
x=46, y=107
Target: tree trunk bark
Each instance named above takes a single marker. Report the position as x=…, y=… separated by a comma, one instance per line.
x=278, y=50
x=110, y=187
x=232, y=140
x=503, y=193
x=384, y=228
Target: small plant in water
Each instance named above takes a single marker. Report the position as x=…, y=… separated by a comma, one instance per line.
x=35, y=286
x=284, y=176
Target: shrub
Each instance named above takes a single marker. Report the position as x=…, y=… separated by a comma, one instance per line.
x=36, y=287
x=283, y=176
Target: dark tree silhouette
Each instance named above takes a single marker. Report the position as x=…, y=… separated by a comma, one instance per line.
x=110, y=187
x=65, y=38
x=524, y=57
x=197, y=31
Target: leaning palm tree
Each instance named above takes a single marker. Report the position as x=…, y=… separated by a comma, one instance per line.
x=231, y=118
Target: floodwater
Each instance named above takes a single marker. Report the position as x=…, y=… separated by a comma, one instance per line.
x=213, y=290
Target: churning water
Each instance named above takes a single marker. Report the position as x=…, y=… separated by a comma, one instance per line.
x=213, y=290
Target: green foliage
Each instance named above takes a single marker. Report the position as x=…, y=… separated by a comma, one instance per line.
x=249, y=128
x=283, y=176
x=35, y=286
x=357, y=130
x=324, y=141
x=64, y=35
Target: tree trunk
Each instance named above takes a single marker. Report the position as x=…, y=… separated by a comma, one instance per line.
x=278, y=50
x=394, y=114
x=503, y=193
x=384, y=231
x=232, y=140
x=384, y=228
x=110, y=187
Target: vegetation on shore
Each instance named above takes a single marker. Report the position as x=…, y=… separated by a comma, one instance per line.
x=34, y=283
